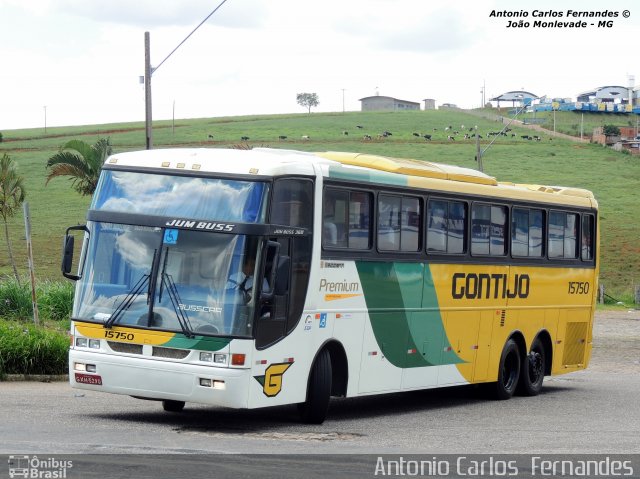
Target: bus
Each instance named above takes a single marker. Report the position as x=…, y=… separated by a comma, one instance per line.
x=266, y=277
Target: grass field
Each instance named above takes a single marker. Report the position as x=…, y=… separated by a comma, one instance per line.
x=613, y=177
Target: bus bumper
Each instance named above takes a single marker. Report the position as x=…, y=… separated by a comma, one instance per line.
x=160, y=380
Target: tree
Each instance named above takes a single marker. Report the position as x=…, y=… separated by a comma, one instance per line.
x=611, y=130
x=12, y=194
x=81, y=162
x=308, y=100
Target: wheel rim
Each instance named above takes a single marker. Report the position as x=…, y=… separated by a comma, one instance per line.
x=510, y=371
x=536, y=366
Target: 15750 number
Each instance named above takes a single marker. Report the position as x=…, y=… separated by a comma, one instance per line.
x=119, y=335
x=578, y=287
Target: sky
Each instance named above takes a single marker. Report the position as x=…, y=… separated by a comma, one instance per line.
x=79, y=62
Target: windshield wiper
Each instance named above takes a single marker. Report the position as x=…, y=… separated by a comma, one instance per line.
x=127, y=301
x=164, y=269
x=167, y=281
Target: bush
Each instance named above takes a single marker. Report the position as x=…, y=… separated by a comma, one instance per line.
x=27, y=349
x=55, y=300
x=15, y=300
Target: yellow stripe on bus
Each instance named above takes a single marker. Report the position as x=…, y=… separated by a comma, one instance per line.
x=123, y=334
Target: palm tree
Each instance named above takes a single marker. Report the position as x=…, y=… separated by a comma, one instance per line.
x=81, y=162
x=12, y=195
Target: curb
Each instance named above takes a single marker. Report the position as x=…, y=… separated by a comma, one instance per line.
x=43, y=378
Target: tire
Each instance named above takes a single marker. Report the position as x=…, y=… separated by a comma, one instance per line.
x=172, y=406
x=508, y=372
x=534, y=365
x=314, y=409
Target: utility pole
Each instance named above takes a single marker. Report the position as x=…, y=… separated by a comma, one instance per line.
x=148, y=71
x=147, y=90
x=478, y=152
x=27, y=227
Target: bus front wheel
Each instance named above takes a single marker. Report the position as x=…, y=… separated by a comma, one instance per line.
x=533, y=367
x=314, y=409
x=508, y=372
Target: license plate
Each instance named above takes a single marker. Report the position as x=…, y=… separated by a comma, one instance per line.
x=89, y=379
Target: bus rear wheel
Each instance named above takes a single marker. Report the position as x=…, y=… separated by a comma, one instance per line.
x=533, y=367
x=508, y=372
x=314, y=409
x=172, y=406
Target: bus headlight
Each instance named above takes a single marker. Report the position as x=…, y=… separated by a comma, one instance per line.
x=217, y=358
x=82, y=342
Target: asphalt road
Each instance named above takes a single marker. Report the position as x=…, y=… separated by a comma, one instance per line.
x=591, y=411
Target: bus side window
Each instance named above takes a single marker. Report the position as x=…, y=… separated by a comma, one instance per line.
x=346, y=219
x=446, y=227
x=563, y=235
x=588, y=235
x=480, y=229
x=292, y=204
x=334, y=218
x=437, y=226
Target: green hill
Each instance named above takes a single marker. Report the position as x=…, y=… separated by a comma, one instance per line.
x=614, y=177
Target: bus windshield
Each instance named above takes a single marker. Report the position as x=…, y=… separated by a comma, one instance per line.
x=184, y=196
x=168, y=279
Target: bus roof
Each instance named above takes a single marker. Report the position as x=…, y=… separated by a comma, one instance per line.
x=350, y=166
x=424, y=174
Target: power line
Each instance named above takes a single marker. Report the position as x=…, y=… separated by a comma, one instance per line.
x=192, y=32
x=148, y=71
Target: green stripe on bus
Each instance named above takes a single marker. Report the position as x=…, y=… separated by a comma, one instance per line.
x=403, y=308
x=367, y=176
x=202, y=343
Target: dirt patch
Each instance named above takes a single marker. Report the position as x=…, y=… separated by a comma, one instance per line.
x=616, y=341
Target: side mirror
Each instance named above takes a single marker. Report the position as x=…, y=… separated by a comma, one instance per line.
x=67, y=252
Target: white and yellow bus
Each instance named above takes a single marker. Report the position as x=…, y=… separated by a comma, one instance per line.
x=258, y=278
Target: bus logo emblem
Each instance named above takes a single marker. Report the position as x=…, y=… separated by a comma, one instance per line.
x=272, y=379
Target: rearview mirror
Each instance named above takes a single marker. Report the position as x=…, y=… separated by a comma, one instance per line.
x=68, y=250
